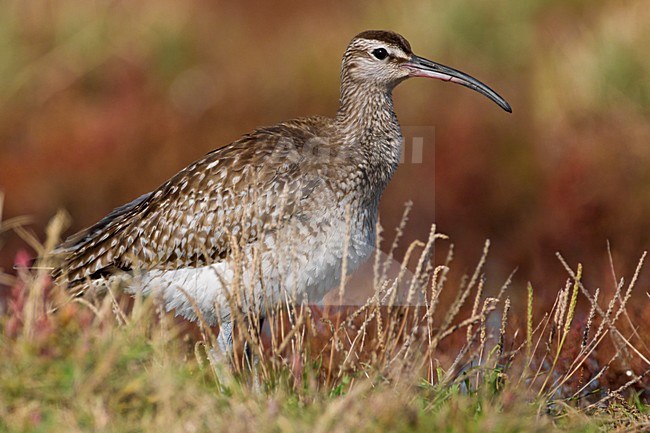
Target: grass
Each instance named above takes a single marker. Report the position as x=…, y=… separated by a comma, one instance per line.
x=115, y=364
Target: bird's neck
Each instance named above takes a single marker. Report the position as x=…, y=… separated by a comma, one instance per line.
x=367, y=123
x=363, y=106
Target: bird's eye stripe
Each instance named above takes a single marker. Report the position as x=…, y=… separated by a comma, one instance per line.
x=380, y=53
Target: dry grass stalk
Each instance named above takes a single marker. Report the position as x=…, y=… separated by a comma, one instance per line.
x=384, y=341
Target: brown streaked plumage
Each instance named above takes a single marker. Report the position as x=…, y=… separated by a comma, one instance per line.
x=282, y=198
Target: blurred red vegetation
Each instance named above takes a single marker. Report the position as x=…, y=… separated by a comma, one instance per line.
x=46, y=328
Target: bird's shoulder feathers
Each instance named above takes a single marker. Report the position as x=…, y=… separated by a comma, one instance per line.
x=231, y=194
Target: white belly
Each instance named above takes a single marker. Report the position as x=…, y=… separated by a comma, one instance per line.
x=303, y=271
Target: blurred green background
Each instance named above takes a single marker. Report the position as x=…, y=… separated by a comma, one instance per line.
x=101, y=101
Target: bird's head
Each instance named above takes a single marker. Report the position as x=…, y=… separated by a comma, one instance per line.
x=383, y=58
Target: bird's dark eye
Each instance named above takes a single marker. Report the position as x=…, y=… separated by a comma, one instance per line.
x=380, y=53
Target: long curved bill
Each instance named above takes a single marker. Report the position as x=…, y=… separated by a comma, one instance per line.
x=421, y=67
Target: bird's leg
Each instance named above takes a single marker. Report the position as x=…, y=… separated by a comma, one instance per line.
x=250, y=358
x=224, y=339
x=255, y=330
x=221, y=356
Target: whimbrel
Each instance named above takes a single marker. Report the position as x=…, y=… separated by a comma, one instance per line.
x=289, y=200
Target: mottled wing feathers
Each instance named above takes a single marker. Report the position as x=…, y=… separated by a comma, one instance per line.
x=82, y=237
x=231, y=194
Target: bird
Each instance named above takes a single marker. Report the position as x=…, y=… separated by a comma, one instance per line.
x=286, y=209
